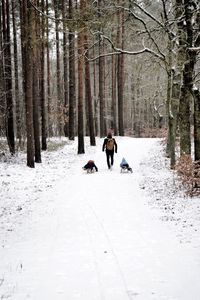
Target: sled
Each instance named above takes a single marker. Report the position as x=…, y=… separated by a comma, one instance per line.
x=126, y=170
x=89, y=171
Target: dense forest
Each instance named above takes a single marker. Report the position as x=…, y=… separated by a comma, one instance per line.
x=83, y=67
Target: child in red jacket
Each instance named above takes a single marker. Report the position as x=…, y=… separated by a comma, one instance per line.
x=90, y=167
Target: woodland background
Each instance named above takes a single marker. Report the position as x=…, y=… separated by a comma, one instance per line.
x=81, y=68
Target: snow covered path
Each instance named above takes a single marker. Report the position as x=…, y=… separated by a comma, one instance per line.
x=94, y=237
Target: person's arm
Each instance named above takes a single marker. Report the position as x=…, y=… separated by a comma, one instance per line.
x=85, y=167
x=96, y=168
x=104, y=143
x=115, y=146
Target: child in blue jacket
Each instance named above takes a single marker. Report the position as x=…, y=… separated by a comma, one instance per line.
x=125, y=166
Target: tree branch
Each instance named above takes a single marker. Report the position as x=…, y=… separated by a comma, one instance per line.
x=145, y=26
x=194, y=49
x=118, y=51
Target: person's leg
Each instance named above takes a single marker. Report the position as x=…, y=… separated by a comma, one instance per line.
x=112, y=157
x=108, y=159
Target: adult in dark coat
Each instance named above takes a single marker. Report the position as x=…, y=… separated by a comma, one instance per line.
x=110, y=146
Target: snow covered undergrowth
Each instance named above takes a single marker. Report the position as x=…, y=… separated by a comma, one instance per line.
x=168, y=194
x=65, y=234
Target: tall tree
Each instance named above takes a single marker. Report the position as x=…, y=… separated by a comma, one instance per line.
x=27, y=33
x=101, y=79
x=80, y=86
x=35, y=37
x=95, y=97
x=65, y=68
x=8, y=75
x=18, y=101
x=48, y=75
x=72, y=77
x=120, y=72
x=185, y=97
x=88, y=94
x=2, y=79
x=195, y=89
x=42, y=80
x=58, y=71
x=196, y=124
x=114, y=94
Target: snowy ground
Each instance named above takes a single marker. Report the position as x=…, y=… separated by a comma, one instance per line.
x=67, y=235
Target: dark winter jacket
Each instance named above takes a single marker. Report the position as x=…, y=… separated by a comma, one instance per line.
x=105, y=143
x=90, y=165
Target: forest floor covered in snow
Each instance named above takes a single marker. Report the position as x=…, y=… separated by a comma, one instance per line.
x=65, y=234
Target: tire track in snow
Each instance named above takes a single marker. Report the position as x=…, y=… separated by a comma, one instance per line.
x=109, y=251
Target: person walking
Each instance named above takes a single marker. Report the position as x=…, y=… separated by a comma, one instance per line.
x=110, y=146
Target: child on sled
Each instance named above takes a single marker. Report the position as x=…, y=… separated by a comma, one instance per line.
x=90, y=167
x=125, y=166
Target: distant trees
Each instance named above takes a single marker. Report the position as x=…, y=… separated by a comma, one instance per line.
x=177, y=24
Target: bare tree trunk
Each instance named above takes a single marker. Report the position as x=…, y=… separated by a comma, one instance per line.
x=2, y=81
x=49, y=100
x=88, y=95
x=36, y=123
x=196, y=124
x=72, y=78
x=8, y=76
x=101, y=92
x=27, y=26
x=22, y=76
x=65, y=67
x=186, y=89
x=58, y=73
x=104, y=90
x=173, y=119
x=18, y=101
x=176, y=83
x=101, y=82
x=35, y=88
x=170, y=106
x=120, y=74
x=80, y=89
x=42, y=83
x=196, y=95
x=184, y=121
x=114, y=94
x=95, y=97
